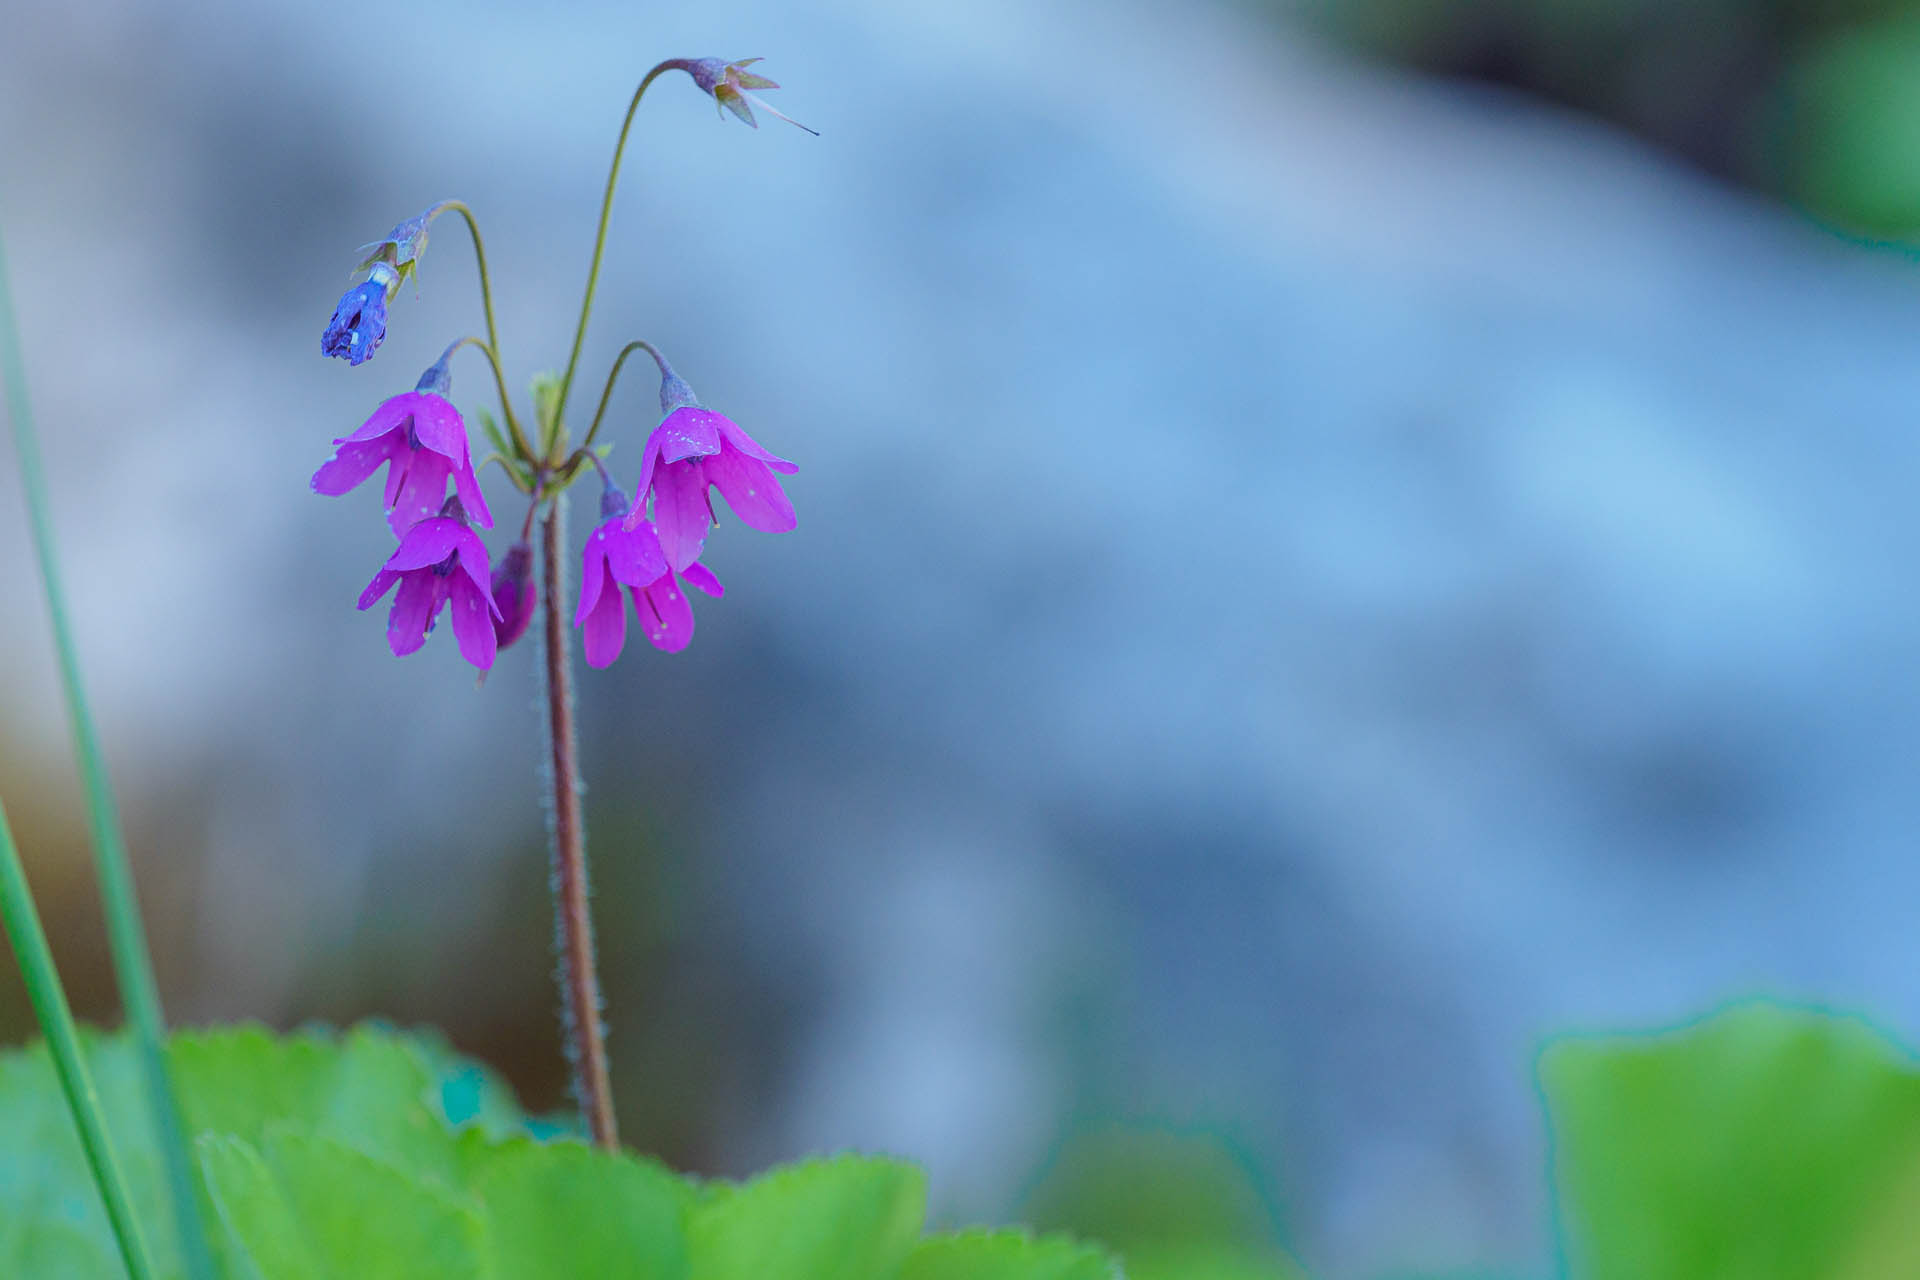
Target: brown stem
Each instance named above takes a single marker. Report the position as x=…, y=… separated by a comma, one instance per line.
x=579, y=980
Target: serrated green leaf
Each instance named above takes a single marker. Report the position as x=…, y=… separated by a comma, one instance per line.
x=304, y=1208
x=370, y=1089
x=1006, y=1255
x=563, y=1209
x=1766, y=1142
x=844, y=1218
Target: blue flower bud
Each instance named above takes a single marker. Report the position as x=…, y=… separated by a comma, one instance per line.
x=359, y=323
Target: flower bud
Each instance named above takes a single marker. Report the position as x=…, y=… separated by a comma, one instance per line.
x=513, y=594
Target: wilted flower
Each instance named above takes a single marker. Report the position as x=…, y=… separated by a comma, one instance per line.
x=728, y=82
x=692, y=448
x=423, y=439
x=440, y=562
x=359, y=323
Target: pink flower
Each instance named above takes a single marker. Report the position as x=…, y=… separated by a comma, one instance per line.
x=617, y=556
x=692, y=448
x=422, y=439
x=440, y=561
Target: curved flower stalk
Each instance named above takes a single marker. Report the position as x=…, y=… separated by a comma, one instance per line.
x=441, y=563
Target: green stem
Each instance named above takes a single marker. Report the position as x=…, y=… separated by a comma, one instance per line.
x=492, y=347
x=126, y=936
x=600, y=239
x=63, y=1041
x=612, y=376
x=500, y=382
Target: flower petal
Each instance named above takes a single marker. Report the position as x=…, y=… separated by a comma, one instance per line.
x=467, y=485
x=422, y=493
x=473, y=609
x=731, y=434
x=437, y=426
x=382, y=583
x=665, y=613
x=687, y=432
x=750, y=489
x=680, y=511
x=698, y=575
x=429, y=542
x=593, y=573
x=392, y=413
x=605, y=629
x=633, y=555
x=352, y=462
x=420, y=596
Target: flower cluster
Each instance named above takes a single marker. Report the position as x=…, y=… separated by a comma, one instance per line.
x=645, y=550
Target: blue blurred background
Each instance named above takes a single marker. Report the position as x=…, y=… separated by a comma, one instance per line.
x=1336, y=540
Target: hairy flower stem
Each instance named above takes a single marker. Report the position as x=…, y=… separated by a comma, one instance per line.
x=63, y=1044
x=126, y=935
x=573, y=923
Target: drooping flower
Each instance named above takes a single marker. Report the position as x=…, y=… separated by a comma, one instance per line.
x=617, y=556
x=359, y=323
x=440, y=562
x=691, y=449
x=513, y=593
x=405, y=244
x=727, y=83
x=422, y=438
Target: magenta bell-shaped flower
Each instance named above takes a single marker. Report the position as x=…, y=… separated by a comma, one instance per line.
x=423, y=441
x=691, y=449
x=617, y=556
x=440, y=562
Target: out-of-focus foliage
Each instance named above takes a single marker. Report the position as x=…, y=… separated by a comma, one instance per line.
x=1818, y=102
x=1174, y=1206
x=327, y=1156
x=1763, y=1142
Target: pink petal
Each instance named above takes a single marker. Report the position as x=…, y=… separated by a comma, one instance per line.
x=473, y=610
x=687, y=432
x=605, y=632
x=431, y=541
x=382, y=583
x=593, y=573
x=634, y=556
x=680, y=512
x=352, y=462
x=750, y=489
x=391, y=414
x=698, y=575
x=437, y=426
x=414, y=607
x=422, y=493
x=467, y=485
x=665, y=613
x=731, y=434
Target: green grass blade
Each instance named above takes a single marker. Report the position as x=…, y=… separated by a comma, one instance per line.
x=126, y=936
x=63, y=1041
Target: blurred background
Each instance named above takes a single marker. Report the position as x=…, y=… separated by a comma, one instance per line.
x=1337, y=540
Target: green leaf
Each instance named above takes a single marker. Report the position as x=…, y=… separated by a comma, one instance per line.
x=1006, y=1255
x=1765, y=1142
x=845, y=1218
x=51, y=1220
x=304, y=1208
x=370, y=1089
x=546, y=410
x=491, y=429
x=563, y=1210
